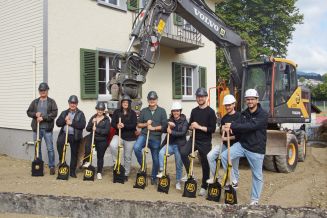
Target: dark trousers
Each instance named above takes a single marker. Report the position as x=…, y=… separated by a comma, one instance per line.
x=203, y=149
x=73, y=149
x=100, y=146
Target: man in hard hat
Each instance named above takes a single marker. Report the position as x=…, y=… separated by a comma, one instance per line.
x=44, y=110
x=203, y=120
x=251, y=130
x=231, y=116
x=74, y=118
x=177, y=128
x=154, y=119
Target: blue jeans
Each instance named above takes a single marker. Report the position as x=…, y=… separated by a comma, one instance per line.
x=255, y=160
x=49, y=143
x=172, y=149
x=154, y=146
x=213, y=155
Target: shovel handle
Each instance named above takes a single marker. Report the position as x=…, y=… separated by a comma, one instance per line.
x=92, y=143
x=192, y=159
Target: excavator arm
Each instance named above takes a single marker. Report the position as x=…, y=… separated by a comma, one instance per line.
x=148, y=29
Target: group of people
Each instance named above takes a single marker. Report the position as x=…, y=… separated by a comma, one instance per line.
x=247, y=130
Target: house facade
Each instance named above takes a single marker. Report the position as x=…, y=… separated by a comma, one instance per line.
x=70, y=45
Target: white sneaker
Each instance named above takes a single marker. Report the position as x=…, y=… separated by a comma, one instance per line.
x=99, y=176
x=178, y=186
x=202, y=192
x=160, y=175
x=254, y=203
x=86, y=164
x=210, y=181
x=184, y=179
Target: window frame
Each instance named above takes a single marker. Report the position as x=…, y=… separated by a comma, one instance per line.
x=121, y=4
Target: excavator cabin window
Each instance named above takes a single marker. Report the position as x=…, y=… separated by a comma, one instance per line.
x=285, y=82
x=258, y=77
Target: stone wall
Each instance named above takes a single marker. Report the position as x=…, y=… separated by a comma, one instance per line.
x=49, y=205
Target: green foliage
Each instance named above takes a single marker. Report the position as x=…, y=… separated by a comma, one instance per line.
x=266, y=26
x=301, y=79
x=319, y=92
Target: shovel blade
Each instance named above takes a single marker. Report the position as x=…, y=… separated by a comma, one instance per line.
x=214, y=192
x=89, y=173
x=119, y=176
x=63, y=171
x=164, y=184
x=140, y=180
x=37, y=167
x=190, y=188
x=230, y=195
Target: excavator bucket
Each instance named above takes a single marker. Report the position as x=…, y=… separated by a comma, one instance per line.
x=276, y=142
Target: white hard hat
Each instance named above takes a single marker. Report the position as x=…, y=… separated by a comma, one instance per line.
x=176, y=106
x=251, y=93
x=229, y=99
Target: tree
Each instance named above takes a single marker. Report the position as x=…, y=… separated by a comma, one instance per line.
x=301, y=79
x=319, y=92
x=265, y=25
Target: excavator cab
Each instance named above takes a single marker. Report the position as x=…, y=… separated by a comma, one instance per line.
x=279, y=94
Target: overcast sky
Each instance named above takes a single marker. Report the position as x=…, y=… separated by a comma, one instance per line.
x=309, y=45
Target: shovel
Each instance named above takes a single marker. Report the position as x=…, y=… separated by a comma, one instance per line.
x=230, y=192
x=37, y=164
x=141, y=175
x=119, y=170
x=63, y=169
x=90, y=170
x=214, y=189
x=164, y=181
x=191, y=185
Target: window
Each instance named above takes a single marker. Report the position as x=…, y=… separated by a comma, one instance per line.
x=285, y=82
x=96, y=72
x=117, y=4
x=106, y=72
x=186, y=79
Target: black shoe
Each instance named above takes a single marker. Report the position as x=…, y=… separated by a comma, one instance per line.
x=52, y=171
x=73, y=174
x=153, y=182
x=126, y=178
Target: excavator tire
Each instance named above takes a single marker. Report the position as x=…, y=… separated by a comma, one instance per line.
x=287, y=163
x=302, y=145
x=269, y=163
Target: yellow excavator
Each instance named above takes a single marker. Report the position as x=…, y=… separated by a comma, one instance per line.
x=274, y=78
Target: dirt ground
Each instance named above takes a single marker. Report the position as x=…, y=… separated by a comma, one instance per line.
x=307, y=186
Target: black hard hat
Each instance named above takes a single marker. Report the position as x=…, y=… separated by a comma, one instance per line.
x=73, y=99
x=201, y=92
x=100, y=106
x=43, y=86
x=126, y=98
x=152, y=95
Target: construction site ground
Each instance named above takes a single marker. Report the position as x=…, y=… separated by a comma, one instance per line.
x=304, y=187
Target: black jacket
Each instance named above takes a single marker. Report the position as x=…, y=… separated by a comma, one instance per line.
x=78, y=123
x=129, y=121
x=102, y=128
x=52, y=112
x=178, y=134
x=252, y=130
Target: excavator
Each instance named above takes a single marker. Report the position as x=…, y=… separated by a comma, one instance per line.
x=274, y=78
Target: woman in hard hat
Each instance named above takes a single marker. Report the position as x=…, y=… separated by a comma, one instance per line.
x=177, y=128
x=128, y=128
x=101, y=130
x=231, y=116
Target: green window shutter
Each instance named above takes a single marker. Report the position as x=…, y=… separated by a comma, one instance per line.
x=89, y=73
x=203, y=77
x=177, y=81
x=132, y=5
x=178, y=20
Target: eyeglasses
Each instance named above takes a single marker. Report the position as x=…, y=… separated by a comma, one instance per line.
x=250, y=99
x=175, y=111
x=72, y=103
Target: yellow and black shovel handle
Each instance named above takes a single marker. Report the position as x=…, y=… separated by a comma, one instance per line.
x=145, y=151
x=118, y=160
x=192, y=156
x=37, y=141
